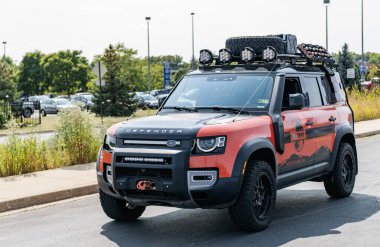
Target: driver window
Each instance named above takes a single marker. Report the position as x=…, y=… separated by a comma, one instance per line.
x=292, y=86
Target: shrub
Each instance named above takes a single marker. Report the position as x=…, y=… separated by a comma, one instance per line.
x=77, y=137
x=365, y=104
x=76, y=142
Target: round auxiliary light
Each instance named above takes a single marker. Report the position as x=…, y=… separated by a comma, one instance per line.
x=269, y=54
x=247, y=55
x=225, y=56
x=206, y=57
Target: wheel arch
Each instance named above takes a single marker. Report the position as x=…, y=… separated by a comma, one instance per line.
x=345, y=134
x=257, y=148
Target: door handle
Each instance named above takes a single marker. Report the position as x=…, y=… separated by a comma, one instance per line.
x=332, y=119
x=309, y=123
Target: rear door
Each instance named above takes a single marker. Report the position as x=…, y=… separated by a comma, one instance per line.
x=325, y=117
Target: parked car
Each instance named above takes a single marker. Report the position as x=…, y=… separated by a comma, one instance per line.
x=146, y=101
x=48, y=106
x=375, y=82
x=64, y=104
x=84, y=100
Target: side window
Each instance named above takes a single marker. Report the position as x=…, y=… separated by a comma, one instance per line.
x=324, y=92
x=312, y=91
x=292, y=86
x=326, y=84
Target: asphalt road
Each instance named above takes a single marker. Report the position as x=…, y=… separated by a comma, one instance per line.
x=305, y=216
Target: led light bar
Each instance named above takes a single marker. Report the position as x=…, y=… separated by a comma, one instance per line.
x=247, y=55
x=206, y=57
x=316, y=53
x=225, y=56
x=269, y=54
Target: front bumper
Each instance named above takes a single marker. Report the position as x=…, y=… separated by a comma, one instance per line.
x=173, y=187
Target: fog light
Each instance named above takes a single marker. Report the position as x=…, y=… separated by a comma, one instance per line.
x=269, y=54
x=206, y=57
x=247, y=55
x=225, y=56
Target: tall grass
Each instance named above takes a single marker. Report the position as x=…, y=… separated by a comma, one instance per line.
x=76, y=142
x=365, y=104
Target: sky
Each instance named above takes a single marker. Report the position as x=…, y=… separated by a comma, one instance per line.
x=91, y=25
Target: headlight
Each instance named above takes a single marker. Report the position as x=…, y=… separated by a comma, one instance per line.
x=109, y=142
x=211, y=144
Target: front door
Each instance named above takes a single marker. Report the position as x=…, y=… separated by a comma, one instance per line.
x=299, y=143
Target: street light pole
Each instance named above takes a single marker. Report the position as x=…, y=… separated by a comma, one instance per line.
x=327, y=2
x=4, y=43
x=147, y=22
x=192, y=38
x=363, y=57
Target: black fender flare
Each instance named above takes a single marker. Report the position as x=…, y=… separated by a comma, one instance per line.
x=245, y=153
x=345, y=130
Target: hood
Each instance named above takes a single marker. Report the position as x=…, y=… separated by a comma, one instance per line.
x=165, y=126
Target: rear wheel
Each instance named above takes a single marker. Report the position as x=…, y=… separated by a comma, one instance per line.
x=341, y=181
x=118, y=209
x=255, y=205
x=43, y=113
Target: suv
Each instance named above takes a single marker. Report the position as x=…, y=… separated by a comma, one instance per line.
x=262, y=115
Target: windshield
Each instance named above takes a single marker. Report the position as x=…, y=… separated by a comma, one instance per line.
x=63, y=102
x=88, y=96
x=148, y=97
x=223, y=90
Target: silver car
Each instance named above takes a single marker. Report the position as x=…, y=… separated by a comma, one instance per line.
x=48, y=106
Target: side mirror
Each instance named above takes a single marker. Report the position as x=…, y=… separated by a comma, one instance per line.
x=296, y=101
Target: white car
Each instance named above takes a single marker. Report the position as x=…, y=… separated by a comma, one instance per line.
x=65, y=104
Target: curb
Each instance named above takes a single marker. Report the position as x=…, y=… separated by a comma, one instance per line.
x=48, y=197
x=28, y=133
x=367, y=134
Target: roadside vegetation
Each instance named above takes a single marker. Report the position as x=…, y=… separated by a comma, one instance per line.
x=78, y=137
x=365, y=104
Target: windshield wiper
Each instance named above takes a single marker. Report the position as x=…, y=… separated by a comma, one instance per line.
x=230, y=109
x=181, y=108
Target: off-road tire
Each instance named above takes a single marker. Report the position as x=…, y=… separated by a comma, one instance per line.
x=27, y=113
x=43, y=113
x=118, y=209
x=244, y=212
x=341, y=181
x=258, y=44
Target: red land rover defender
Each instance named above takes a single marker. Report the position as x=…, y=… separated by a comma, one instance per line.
x=263, y=114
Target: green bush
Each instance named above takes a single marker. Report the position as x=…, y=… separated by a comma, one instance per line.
x=76, y=141
x=77, y=137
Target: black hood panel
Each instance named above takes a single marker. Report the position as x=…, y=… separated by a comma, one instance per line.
x=166, y=126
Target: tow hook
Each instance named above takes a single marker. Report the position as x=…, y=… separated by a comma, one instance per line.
x=145, y=185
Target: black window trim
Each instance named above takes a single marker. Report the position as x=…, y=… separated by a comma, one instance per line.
x=306, y=93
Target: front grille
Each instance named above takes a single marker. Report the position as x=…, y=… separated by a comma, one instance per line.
x=163, y=143
x=143, y=172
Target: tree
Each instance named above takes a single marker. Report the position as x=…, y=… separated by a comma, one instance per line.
x=346, y=60
x=115, y=98
x=7, y=79
x=67, y=71
x=32, y=76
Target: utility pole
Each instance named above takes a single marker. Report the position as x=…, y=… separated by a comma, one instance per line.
x=327, y=2
x=362, y=70
x=192, y=38
x=147, y=22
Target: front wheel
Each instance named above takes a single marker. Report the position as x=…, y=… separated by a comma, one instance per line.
x=341, y=181
x=254, y=207
x=119, y=210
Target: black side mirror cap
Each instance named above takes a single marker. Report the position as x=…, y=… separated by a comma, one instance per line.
x=296, y=101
